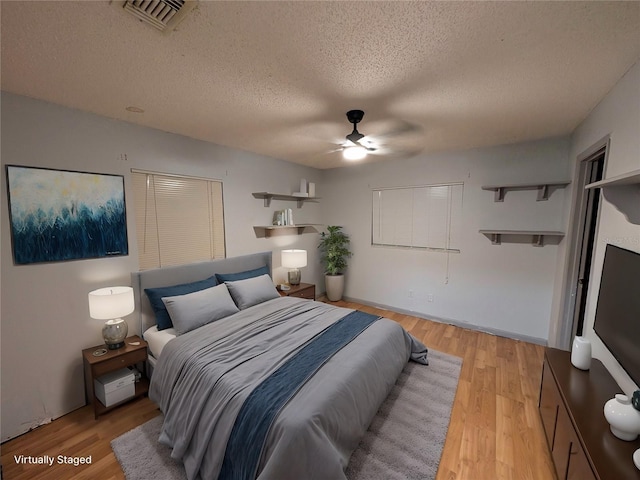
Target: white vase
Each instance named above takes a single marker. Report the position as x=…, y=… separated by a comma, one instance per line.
x=581, y=353
x=624, y=420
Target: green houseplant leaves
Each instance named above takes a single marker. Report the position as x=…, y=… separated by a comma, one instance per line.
x=334, y=250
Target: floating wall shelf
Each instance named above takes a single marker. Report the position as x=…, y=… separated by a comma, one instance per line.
x=542, y=187
x=537, y=235
x=631, y=178
x=623, y=192
x=267, y=196
x=268, y=229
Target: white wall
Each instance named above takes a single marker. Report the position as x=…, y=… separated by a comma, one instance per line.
x=617, y=115
x=44, y=312
x=504, y=288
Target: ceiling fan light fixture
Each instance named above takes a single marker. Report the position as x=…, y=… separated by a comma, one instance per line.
x=354, y=153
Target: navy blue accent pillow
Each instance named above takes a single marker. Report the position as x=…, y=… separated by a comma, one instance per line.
x=163, y=320
x=233, y=277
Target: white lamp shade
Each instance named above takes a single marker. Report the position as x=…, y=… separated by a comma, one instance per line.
x=294, y=258
x=111, y=302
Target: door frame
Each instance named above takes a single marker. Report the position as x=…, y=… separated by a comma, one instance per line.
x=579, y=210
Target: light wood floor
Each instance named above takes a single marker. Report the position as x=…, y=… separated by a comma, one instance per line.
x=495, y=430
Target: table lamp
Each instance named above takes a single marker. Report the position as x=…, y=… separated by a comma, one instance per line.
x=294, y=259
x=110, y=304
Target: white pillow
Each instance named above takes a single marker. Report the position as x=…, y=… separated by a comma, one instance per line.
x=196, y=309
x=252, y=291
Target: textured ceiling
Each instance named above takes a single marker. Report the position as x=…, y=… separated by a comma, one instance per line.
x=276, y=78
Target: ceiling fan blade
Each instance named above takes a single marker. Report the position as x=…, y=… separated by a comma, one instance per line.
x=362, y=142
x=368, y=144
x=398, y=152
x=401, y=127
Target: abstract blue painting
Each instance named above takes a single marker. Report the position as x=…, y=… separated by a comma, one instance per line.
x=59, y=215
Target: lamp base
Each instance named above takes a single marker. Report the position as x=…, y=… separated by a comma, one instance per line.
x=294, y=277
x=114, y=332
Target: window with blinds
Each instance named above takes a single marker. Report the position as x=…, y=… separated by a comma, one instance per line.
x=178, y=219
x=428, y=217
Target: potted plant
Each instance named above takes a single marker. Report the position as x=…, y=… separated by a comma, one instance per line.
x=334, y=251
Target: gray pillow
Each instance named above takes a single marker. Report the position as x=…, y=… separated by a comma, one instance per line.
x=252, y=291
x=196, y=309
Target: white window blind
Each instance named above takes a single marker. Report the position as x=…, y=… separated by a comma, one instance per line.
x=426, y=216
x=178, y=219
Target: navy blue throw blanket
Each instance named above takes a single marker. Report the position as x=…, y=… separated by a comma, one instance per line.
x=265, y=402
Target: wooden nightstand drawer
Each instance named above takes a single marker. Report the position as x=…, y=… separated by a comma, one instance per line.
x=120, y=361
x=306, y=293
x=303, y=290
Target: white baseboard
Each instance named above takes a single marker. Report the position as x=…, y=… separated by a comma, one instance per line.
x=457, y=323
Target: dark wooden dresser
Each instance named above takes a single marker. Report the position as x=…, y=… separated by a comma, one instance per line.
x=571, y=407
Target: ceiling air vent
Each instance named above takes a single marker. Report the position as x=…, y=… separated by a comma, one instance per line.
x=161, y=14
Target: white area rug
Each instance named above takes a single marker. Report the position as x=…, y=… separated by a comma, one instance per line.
x=404, y=441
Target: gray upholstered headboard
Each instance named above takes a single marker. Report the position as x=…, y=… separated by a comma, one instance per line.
x=167, y=276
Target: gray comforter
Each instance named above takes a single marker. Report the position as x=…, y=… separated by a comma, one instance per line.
x=202, y=378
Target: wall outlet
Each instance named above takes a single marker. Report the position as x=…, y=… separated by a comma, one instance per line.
x=430, y=297
x=410, y=293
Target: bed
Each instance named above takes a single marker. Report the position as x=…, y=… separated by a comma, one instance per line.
x=278, y=388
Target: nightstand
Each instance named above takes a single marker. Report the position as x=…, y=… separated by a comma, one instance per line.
x=95, y=366
x=303, y=290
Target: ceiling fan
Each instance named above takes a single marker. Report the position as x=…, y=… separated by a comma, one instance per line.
x=390, y=138
x=358, y=147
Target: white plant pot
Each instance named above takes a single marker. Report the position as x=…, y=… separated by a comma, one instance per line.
x=335, y=286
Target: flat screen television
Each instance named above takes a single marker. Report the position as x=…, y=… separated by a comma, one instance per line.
x=617, y=321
